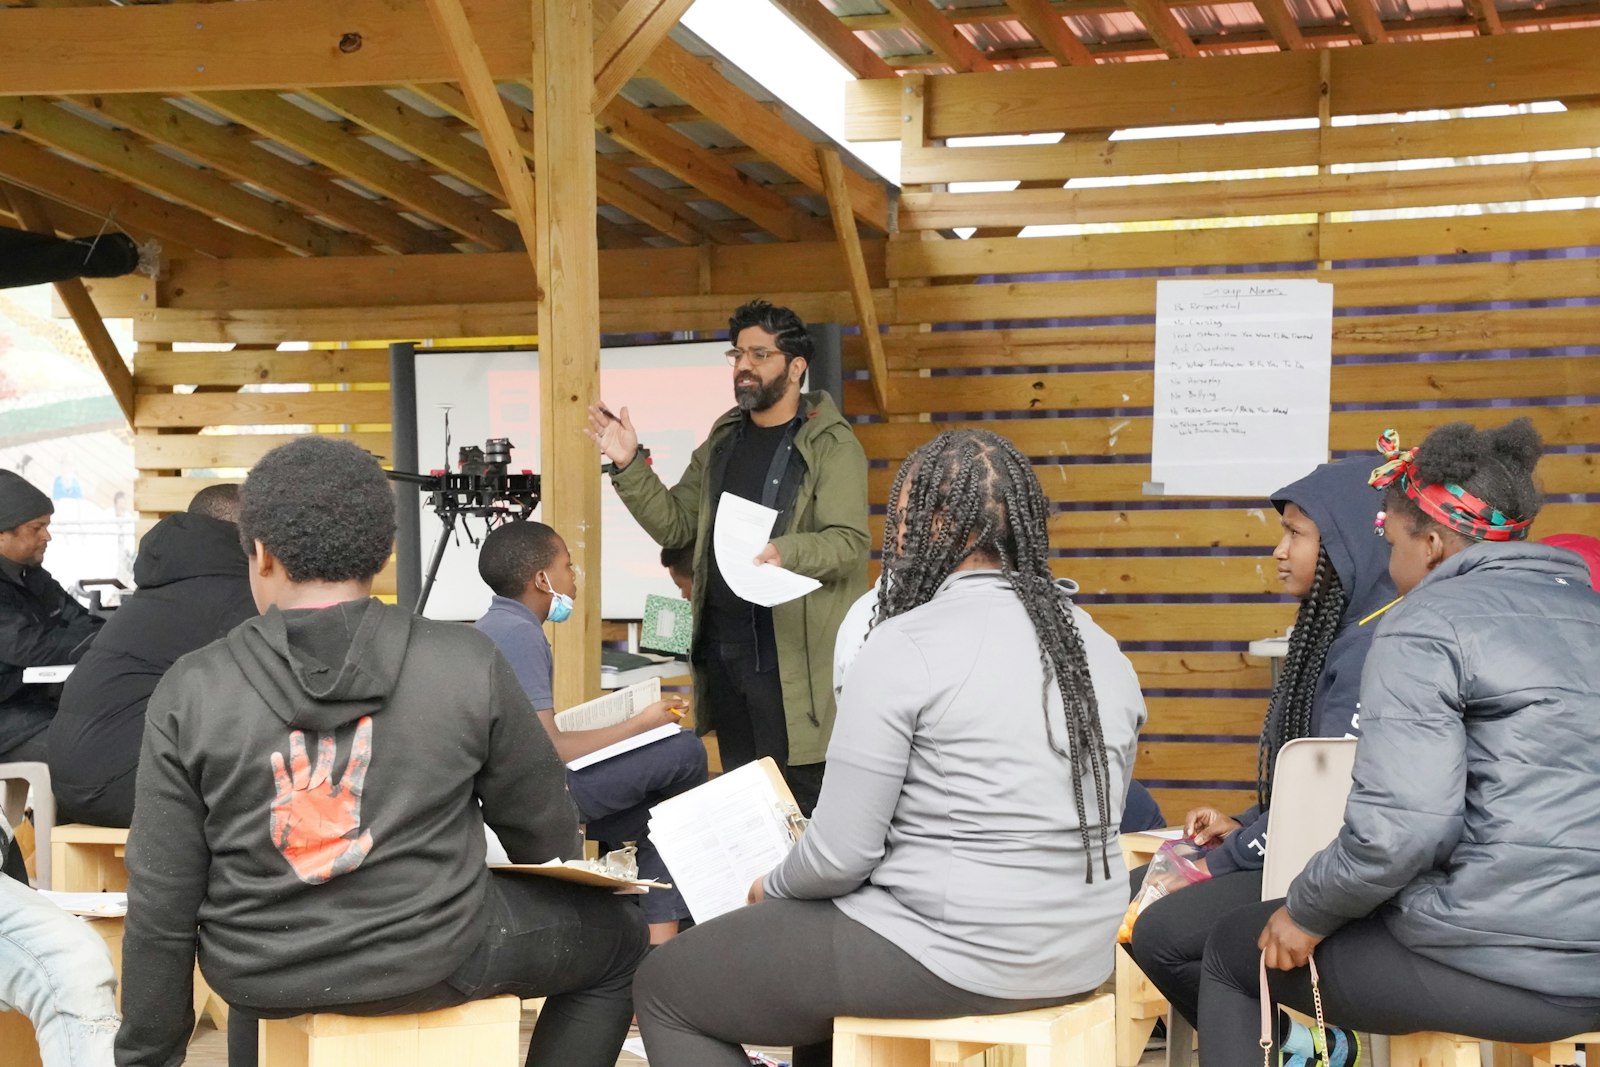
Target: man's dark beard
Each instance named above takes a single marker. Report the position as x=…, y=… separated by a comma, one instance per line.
x=762, y=396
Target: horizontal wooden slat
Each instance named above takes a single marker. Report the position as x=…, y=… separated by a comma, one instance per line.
x=254, y=367
x=1226, y=716
x=1196, y=761
x=1113, y=482
x=1349, y=431
x=1353, y=383
x=1353, y=335
x=1176, y=802
x=1103, y=575
x=1454, y=283
x=207, y=451
x=1301, y=242
x=1200, y=670
x=260, y=409
x=1192, y=622
x=1466, y=72
x=1367, y=143
x=1364, y=191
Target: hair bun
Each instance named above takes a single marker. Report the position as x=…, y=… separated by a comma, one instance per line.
x=1457, y=451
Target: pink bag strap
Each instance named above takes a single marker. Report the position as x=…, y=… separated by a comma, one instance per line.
x=1268, y=1027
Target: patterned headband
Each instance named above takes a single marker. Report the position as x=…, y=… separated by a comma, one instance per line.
x=1445, y=503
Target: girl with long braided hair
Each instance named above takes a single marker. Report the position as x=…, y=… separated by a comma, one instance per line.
x=960, y=858
x=1332, y=558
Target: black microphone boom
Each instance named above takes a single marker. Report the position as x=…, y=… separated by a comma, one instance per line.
x=35, y=258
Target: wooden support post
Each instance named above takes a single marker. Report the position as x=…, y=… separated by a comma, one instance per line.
x=30, y=210
x=856, y=266
x=567, y=265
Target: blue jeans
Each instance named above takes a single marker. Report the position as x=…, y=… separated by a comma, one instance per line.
x=615, y=798
x=57, y=972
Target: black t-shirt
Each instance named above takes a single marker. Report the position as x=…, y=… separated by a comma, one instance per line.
x=728, y=618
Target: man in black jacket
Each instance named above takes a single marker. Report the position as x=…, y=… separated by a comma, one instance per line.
x=193, y=588
x=40, y=624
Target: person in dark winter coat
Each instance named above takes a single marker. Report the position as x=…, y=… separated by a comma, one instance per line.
x=193, y=589
x=312, y=796
x=1459, y=894
x=41, y=625
x=1331, y=557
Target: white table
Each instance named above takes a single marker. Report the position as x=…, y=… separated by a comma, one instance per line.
x=1273, y=649
x=623, y=679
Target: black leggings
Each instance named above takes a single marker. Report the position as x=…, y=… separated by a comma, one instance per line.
x=1370, y=982
x=1169, y=938
x=778, y=973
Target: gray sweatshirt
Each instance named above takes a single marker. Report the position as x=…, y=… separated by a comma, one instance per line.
x=947, y=823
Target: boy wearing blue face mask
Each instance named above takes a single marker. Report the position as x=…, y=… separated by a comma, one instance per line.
x=528, y=567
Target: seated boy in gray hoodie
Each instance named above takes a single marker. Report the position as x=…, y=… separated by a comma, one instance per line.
x=311, y=799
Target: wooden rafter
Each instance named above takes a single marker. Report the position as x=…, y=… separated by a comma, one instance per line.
x=823, y=27
x=35, y=217
x=1281, y=23
x=695, y=82
x=509, y=164
x=1164, y=28
x=631, y=35
x=432, y=140
x=1487, y=15
x=1053, y=35
x=272, y=116
x=222, y=149
x=70, y=222
x=126, y=156
x=1365, y=20
x=844, y=224
x=127, y=207
x=618, y=186
x=941, y=35
x=664, y=147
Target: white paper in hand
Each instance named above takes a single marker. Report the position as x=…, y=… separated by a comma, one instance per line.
x=743, y=530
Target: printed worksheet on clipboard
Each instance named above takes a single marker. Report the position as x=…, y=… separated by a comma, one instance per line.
x=718, y=838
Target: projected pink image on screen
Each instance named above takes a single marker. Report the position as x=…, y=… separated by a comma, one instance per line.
x=672, y=407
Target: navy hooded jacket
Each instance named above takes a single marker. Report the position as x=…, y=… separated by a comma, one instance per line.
x=1338, y=499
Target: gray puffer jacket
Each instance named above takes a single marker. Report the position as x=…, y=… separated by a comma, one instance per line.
x=1474, y=820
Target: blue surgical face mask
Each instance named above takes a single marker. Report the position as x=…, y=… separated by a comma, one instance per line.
x=560, y=608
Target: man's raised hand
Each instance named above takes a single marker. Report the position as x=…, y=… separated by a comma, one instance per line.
x=613, y=435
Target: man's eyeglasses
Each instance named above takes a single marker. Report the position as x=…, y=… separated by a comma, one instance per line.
x=758, y=356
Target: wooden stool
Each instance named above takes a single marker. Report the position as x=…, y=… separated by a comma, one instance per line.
x=1140, y=1006
x=89, y=859
x=1557, y=1053
x=1428, y=1049
x=484, y=1033
x=1079, y=1034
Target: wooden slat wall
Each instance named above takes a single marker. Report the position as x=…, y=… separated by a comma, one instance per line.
x=182, y=437
x=1049, y=340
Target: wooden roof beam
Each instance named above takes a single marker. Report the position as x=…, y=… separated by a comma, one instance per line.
x=222, y=148
x=694, y=82
x=1044, y=22
x=1486, y=15
x=510, y=166
x=435, y=140
x=618, y=186
x=629, y=36
x=1165, y=29
x=715, y=178
x=272, y=116
x=35, y=218
x=70, y=221
x=844, y=225
x=823, y=27
x=1365, y=20
x=934, y=27
x=124, y=155
x=1280, y=21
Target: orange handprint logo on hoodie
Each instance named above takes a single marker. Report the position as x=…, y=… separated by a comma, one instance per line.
x=314, y=821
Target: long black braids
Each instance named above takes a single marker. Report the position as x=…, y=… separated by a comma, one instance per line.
x=971, y=493
x=1289, y=711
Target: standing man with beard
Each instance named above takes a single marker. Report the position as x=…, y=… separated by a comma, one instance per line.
x=762, y=676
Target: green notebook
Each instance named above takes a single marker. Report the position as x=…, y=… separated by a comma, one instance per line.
x=668, y=623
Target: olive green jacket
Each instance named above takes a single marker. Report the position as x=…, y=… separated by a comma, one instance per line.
x=825, y=537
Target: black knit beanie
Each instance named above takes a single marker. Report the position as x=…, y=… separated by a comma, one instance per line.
x=20, y=501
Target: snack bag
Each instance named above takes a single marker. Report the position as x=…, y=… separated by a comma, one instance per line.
x=1172, y=869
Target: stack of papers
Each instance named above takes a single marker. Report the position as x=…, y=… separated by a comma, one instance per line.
x=743, y=530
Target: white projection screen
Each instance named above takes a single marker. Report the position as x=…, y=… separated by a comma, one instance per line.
x=673, y=393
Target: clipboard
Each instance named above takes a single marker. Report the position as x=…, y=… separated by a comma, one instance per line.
x=567, y=871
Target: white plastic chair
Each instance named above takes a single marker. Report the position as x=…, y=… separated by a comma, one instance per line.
x=18, y=778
